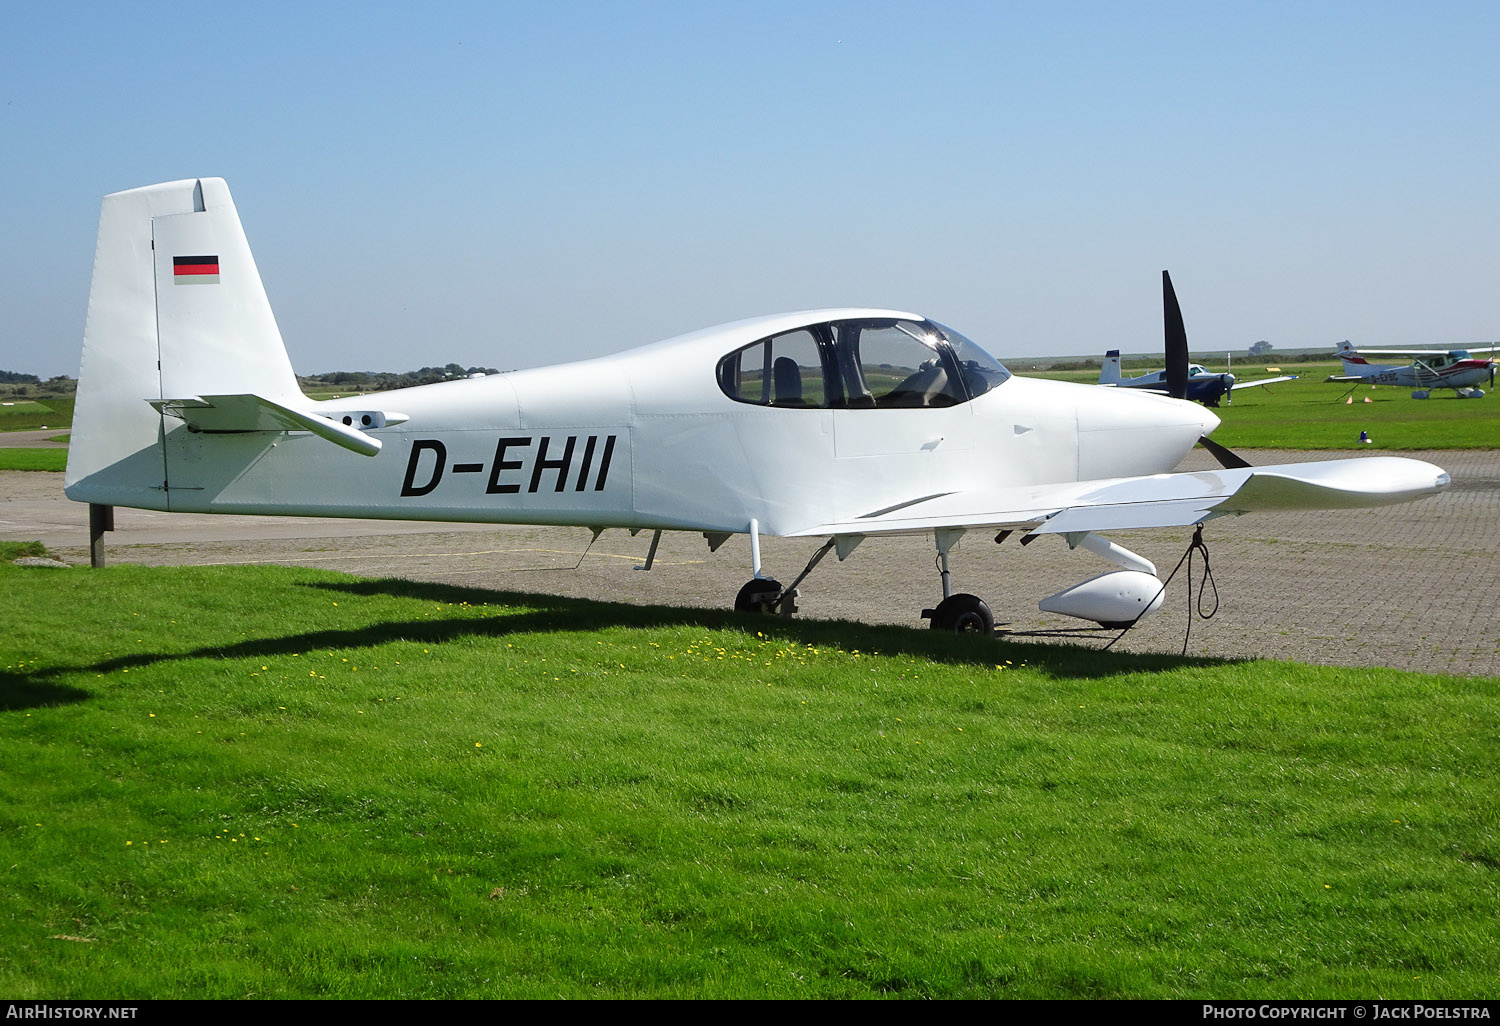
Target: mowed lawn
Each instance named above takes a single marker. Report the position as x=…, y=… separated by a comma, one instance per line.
x=31, y=415
x=267, y=782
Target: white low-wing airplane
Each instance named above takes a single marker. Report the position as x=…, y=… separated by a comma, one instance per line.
x=1457, y=369
x=841, y=424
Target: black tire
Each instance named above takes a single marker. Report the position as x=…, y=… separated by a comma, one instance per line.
x=963, y=614
x=758, y=596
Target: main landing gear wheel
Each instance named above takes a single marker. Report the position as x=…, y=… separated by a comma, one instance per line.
x=962, y=614
x=758, y=596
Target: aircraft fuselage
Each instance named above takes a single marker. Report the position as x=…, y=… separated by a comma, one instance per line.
x=645, y=439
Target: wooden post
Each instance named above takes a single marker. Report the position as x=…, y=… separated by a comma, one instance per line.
x=101, y=519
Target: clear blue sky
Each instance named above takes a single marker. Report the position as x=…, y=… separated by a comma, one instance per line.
x=509, y=185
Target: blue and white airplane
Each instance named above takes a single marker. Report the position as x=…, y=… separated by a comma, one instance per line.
x=1203, y=386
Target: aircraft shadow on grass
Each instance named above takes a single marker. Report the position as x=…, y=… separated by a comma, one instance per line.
x=551, y=613
x=37, y=690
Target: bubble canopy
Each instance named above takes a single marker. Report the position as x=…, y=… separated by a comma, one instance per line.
x=861, y=363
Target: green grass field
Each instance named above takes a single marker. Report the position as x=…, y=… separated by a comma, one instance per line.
x=30, y=415
x=266, y=782
x=34, y=459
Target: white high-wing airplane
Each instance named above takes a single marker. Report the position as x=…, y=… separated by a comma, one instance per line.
x=1457, y=369
x=1203, y=385
x=840, y=424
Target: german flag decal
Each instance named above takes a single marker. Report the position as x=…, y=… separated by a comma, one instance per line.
x=195, y=270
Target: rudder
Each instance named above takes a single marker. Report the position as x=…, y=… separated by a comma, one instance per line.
x=1109, y=370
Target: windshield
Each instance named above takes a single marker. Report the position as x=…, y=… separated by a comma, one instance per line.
x=981, y=371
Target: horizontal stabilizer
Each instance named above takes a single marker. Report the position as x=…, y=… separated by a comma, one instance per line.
x=236, y=413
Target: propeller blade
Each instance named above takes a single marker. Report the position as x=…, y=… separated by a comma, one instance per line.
x=1492, y=375
x=1227, y=459
x=1176, y=340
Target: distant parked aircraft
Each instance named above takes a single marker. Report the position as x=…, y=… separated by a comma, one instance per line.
x=1203, y=385
x=1457, y=369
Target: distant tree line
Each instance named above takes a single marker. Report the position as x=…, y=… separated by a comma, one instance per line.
x=17, y=384
x=380, y=381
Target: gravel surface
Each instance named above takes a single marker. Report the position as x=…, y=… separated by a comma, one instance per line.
x=1412, y=586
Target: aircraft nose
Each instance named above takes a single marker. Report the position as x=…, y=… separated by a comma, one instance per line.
x=1208, y=420
x=1126, y=433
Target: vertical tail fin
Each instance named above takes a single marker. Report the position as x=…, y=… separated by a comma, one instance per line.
x=176, y=310
x=1353, y=362
x=1109, y=372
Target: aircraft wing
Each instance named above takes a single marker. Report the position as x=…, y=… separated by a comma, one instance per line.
x=1263, y=381
x=1145, y=386
x=1419, y=353
x=1160, y=500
